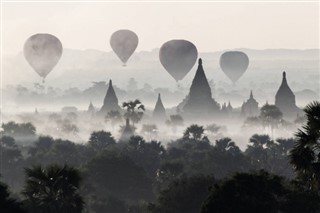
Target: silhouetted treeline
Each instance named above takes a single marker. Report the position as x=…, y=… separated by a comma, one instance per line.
x=191, y=174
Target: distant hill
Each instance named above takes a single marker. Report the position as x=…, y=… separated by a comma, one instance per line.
x=79, y=68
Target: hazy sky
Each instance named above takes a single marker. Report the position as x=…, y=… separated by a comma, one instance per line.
x=210, y=26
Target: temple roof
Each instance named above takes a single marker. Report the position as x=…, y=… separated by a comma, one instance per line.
x=285, y=99
x=110, y=101
x=251, y=99
x=200, y=98
x=159, y=111
x=284, y=89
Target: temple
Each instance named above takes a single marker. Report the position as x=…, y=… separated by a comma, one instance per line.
x=250, y=107
x=286, y=100
x=159, y=112
x=110, y=102
x=199, y=103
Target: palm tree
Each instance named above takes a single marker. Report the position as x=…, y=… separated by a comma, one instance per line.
x=132, y=114
x=8, y=204
x=114, y=117
x=305, y=156
x=53, y=189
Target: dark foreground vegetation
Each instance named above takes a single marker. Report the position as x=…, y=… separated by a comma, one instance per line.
x=190, y=175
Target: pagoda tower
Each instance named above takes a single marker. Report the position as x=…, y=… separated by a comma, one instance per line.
x=159, y=112
x=110, y=102
x=199, y=103
x=285, y=100
x=250, y=107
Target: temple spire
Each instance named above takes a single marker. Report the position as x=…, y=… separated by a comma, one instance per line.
x=285, y=99
x=284, y=79
x=251, y=95
x=159, y=112
x=200, y=101
x=110, y=102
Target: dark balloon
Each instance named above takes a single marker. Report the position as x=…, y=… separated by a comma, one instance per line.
x=43, y=51
x=234, y=64
x=124, y=43
x=178, y=57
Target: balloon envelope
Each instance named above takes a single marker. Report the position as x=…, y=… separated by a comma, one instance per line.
x=43, y=51
x=178, y=57
x=234, y=64
x=124, y=43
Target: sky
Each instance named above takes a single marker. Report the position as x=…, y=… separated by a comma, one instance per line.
x=210, y=26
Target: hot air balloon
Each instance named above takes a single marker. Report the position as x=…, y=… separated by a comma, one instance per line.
x=43, y=51
x=178, y=57
x=234, y=64
x=124, y=43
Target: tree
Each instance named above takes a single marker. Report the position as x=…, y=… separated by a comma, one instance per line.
x=184, y=195
x=11, y=159
x=132, y=112
x=20, y=132
x=148, y=155
x=41, y=146
x=305, y=155
x=259, y=192
x=100, y=140
x=271, y=116
x=270, y=155
x=194, y=132
x=113, y=173
x=8, y=204
x=53, y=189
x=114, y=117
x=227, y=145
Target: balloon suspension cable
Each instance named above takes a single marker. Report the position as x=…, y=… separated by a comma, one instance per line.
x=43, y=80
x=178, y=84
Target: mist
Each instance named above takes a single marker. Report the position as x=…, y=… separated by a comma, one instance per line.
x=160, y=107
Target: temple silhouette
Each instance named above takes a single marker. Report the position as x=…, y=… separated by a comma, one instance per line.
x=250, y=107
x=159, y=112
x=285, y=99
x=110, y=102
x=199, y=103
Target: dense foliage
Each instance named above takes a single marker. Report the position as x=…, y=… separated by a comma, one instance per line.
x=190, y=174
